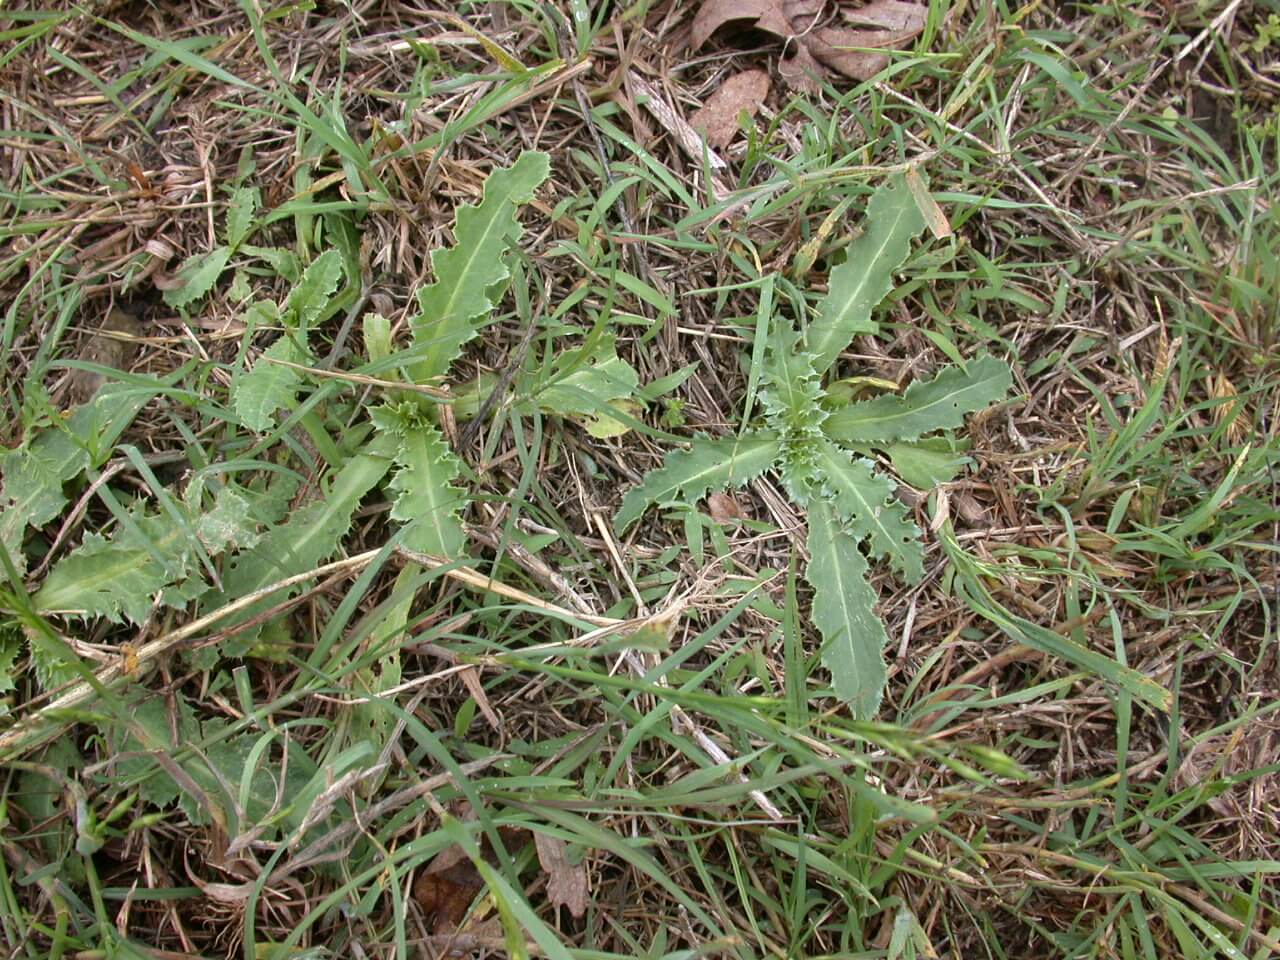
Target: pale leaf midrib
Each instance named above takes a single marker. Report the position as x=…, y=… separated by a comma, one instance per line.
x=504, y=212
x=848, y=418
x=834, y=328
x=835, y=462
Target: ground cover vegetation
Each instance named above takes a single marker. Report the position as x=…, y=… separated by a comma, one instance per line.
x=746, y=479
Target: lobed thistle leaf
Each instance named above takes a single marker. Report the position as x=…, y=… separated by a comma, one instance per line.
x=844, y=612
x=35, y=473
x=426, y=498
x=258, y=393
x=309, y=537
x=866, y=276
x=467, y=273
x=705, y=465
x=197, y=276
x=926, y=406
x=790, y=391
x=314, y=290
x=865, y=499
x=119, y=577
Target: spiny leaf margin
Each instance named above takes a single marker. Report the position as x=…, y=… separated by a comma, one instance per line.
x=467, y=272
x=927, y=406
x=425, y=496
x=844, y=612
x=258, y=393
x=865, y=498
x=866, y=276
x=707, y=464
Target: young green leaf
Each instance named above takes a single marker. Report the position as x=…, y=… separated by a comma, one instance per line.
x=240, y=211
x=34, y=475
x=590, y=385
x=705, y=465
x=10, y=647
x=50, y=661
x=926, y=406
x=866, y=276
x=228, y=523
x=197, y=275
x=377, y=336
x=593, y=385
x=926, y=463
x=120, y=577
x=844, y=612
x=425, y=497
x=865, y=498
x=255, y=792
x=152, y=730
x=117, y=578
x=312, y=293
x=310, y=536
x=790, y=390
x=258, y=393
x=467, y=272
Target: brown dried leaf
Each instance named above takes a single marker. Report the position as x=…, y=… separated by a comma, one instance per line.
x=850, y=51
x=969, y=509
x=717, y=120
x=800, y=70
x=448, y=884
x=445, y=893
x=804, y=15
x=688, y=139
x=834, y=48
x=114, y=345
x=838, y=48
x=890, y=15
x=723, y=508
x=763, y=15
x=566, y=883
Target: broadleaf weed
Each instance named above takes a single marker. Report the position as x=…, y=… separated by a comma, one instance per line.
x=850, y=501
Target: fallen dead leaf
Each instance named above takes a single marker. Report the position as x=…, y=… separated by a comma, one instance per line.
x=446, y=887
x=812, y=44
x=969, y=509
x=723, y=508
x=799, y=69
x=895, y=16
x=676, y=125
x=114, y=345
x=766, y=15
x=445, y=893
x=717, y=120
x=566, y=883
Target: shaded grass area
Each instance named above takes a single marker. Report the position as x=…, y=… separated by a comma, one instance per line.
x=1109, y=171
